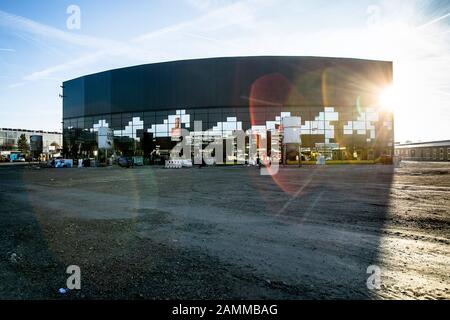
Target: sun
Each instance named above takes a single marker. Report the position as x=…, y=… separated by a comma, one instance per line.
x=390, y=98
x=393, y=98
x=408, y=92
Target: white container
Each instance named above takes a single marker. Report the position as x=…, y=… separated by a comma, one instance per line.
x=291, y=130
x=292, y=135
x=105, y=138
x=321, y=160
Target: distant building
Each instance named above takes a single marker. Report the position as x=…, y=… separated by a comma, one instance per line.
x=337, y=100
x=424, y=151
x=9, y=137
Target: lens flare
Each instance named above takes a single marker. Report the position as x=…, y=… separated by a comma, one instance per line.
x=389, y=98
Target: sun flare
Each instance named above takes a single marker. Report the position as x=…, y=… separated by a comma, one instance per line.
x=389, y=98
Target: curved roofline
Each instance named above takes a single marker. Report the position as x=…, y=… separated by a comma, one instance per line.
x=231, y=57
x=424, y=144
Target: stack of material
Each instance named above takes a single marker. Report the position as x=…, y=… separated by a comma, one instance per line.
x=174, y=164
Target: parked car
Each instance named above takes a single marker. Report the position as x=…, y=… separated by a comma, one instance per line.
x=125, y=162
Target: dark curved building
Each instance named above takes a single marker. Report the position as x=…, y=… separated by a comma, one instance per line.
x=336, y=98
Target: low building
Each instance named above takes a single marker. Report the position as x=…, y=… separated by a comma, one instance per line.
x=9, y=138
x=424, y=151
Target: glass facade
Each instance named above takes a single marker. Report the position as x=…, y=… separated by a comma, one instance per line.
x=143, y=105
x=337, y=133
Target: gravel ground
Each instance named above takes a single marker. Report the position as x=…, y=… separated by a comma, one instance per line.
x=226, y=232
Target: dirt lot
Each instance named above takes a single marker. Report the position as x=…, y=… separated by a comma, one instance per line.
x=226, y=232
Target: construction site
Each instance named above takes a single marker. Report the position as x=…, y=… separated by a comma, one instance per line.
x=227, y=232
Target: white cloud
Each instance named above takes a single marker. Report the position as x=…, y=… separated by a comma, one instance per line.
x=9, y=20
x=141, y=49
x=209, y=4
x=240, y=13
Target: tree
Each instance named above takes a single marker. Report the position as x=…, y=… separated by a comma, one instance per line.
x=23, y=145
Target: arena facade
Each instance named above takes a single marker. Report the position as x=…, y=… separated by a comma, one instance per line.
x=338, y=100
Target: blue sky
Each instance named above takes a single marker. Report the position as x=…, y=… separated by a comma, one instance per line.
x=38, y=51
